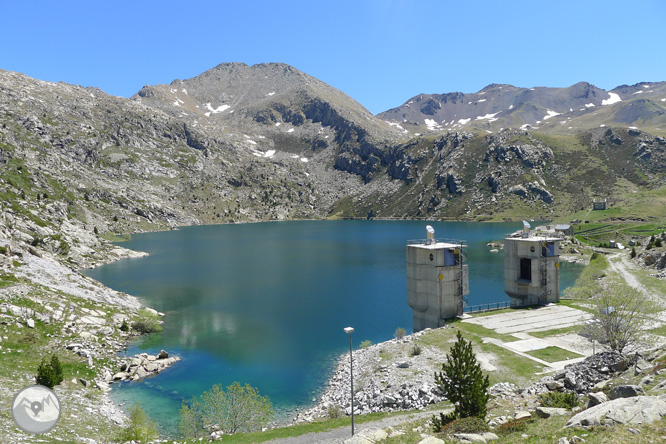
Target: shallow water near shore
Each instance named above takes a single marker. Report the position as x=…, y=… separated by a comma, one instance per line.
x=266, y=303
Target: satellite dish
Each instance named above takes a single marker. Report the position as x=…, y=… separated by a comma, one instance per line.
x=526, y=225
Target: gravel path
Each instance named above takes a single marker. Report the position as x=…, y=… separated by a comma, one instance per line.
x=339, y=435
x=620, y=264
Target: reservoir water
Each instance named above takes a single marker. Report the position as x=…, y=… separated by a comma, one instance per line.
x=266, y=303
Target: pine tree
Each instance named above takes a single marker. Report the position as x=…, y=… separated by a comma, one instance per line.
x=49, y=374
x=463, y=383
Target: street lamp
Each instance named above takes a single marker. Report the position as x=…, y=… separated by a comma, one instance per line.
x=349, y=331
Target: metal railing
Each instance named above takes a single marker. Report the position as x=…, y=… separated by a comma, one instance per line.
x=489, y=307
x=528, y=302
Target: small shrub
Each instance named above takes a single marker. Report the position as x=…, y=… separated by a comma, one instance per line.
x=633, y=253
x=49, y=373
x=124, y=326
x=365, y=344
x=399, y=333
x=334, y=411
x=657, y=243
x=514, y=425
x=236, y=409
x=140, y=427
x=441, y=421
x=470, y=424
x=567, y=400
x=146, y=322
x=415, y=351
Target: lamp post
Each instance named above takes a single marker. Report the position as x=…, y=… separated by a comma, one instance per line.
x=349, y=331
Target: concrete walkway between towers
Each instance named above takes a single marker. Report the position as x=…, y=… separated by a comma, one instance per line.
x=520, y=323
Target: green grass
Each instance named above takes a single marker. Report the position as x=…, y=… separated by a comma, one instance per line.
x=661, y=330
x=116, y=237
x=553, y=354
x=556, y=331
x=8, y=280
x=510, y=366
x=483, y=332
x=652, y=284
x=578, y=305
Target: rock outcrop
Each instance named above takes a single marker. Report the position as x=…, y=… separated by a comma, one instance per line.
x=635, y=410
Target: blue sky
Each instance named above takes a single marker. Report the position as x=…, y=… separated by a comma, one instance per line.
x=380, y=53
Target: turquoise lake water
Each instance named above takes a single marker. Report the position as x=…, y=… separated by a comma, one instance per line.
x=266, y=303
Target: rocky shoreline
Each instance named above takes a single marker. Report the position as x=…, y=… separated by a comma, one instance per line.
x=88, y=321
x=388, y=376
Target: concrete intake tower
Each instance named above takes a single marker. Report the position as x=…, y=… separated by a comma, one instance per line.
x=532, y=268
x=437, y=280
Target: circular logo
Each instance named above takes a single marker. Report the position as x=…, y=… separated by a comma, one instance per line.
x=36, y=409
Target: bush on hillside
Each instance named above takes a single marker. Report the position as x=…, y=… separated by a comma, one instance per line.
x=140, y=427
x=514, y=425
x=471, y=424
x=565, y=400
x=146, y=322
x=335, y=411
x=236, y=409
x=49, y=373
x=399, y=333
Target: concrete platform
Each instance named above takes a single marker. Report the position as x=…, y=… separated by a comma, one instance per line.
x=526, y=345
x=520, y=323
x=539, y=319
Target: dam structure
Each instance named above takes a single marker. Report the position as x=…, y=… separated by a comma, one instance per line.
x=437, y=280
x=532, y=268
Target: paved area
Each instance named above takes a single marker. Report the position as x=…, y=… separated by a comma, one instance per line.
x=539, y=319
x=520, y=323
x=342, y=434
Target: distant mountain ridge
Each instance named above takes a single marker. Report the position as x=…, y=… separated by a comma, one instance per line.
x=548, y=109
x=268, y=142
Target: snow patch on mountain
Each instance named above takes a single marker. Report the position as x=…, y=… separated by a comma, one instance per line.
x=432, y=125
x=217, y=110
x=614, y=98
x=488, y=117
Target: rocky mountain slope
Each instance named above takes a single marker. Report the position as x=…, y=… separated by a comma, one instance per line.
x=79, y=167
x=551, y=110
x=268, y=142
